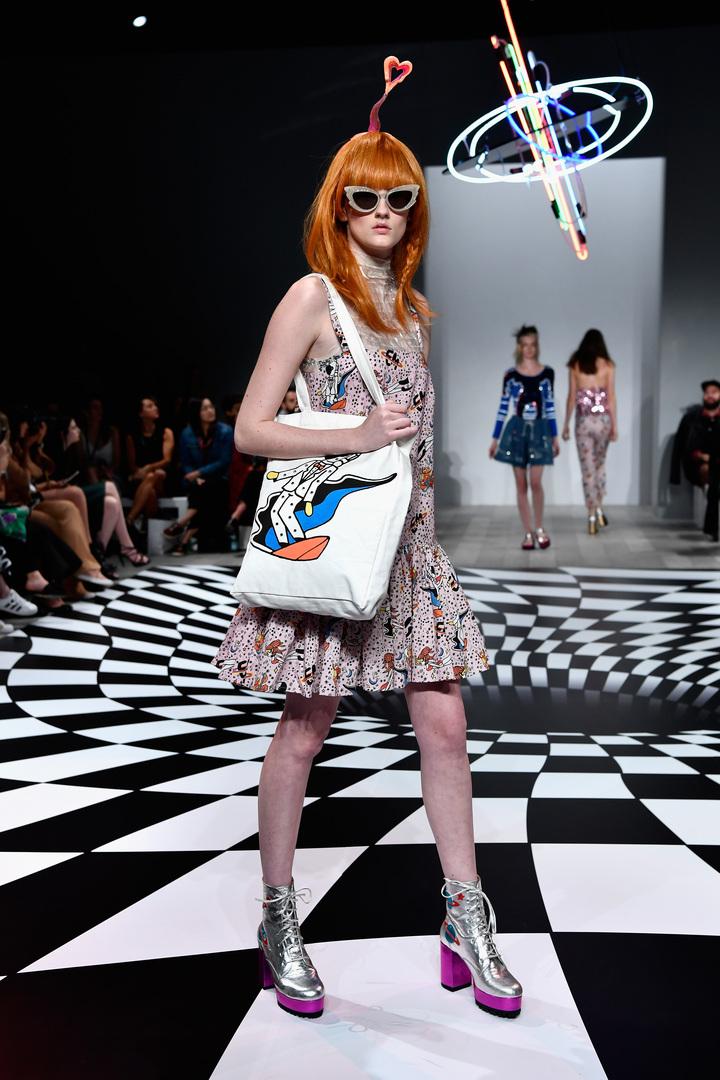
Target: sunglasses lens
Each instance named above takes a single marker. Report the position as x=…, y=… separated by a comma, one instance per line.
x=365, y=200
x=401, y=199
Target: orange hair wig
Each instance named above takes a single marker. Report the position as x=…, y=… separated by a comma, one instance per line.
x=376, y=159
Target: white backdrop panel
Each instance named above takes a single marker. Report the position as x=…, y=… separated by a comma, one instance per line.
x=496, y=259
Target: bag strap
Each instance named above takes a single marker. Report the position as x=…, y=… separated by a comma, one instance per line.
x=354, y=344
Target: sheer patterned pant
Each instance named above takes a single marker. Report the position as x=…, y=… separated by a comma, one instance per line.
x=592, y=435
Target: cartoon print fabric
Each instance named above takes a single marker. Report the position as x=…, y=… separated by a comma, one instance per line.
x=424, y=630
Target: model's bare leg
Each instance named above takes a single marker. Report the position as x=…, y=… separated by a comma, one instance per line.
x=438, y=717
x=522, y=497
x=299, y=736
x=538, y=495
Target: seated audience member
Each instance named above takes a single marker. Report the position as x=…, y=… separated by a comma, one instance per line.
x=100, y=441
x=289, y=402
x=697, y=450
x=5, y=628
x=41, y=562
x=105, y=509
x=12, y=606
x=205, y=449
x=246, y=476
x=231, y=407
x=31, y=454
x=149, y=448
x=48, y=507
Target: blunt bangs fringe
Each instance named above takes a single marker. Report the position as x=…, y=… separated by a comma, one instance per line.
x=379, y=160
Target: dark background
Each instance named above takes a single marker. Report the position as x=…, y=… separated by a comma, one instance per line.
x=155, y=181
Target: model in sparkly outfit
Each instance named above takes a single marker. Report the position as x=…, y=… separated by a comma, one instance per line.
x=366, y=231
x=529, y=440
x=591, y=394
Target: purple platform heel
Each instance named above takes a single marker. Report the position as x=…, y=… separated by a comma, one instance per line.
x=468, y=953
x=283, y=962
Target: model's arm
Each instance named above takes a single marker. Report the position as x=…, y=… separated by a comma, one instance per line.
x=612, y=403
x=570, y=404
x=293, y=329
x=501, y=414
x=548, y=392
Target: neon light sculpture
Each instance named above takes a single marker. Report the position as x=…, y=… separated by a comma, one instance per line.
x=555, y=135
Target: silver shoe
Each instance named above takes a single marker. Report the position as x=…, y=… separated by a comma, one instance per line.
x=468, y=953
x=283, y=960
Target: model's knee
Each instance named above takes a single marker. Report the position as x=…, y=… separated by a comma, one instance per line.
x=300, y=740
x=445, y=735
x=536, y=486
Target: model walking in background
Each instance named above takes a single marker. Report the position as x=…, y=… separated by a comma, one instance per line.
x=529, y=441
x=592, y=394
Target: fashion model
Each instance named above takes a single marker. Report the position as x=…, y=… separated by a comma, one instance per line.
x=529, y=440
x=591, y=393
x=366, y=231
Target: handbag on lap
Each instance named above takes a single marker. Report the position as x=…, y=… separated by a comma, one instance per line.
x=327, y=529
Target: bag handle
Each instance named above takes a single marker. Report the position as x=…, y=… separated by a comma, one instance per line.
x=355, y=345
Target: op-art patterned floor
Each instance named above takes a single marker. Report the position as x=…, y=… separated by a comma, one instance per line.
x=129, y=864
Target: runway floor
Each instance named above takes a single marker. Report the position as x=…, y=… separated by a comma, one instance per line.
x=129, y=864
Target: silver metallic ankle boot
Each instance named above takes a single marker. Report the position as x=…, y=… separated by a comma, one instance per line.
x=468, y=953
x=283, y=961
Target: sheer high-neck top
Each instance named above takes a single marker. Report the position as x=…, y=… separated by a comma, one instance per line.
x=383, y=288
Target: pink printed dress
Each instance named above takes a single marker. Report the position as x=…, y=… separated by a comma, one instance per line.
x=424, y=630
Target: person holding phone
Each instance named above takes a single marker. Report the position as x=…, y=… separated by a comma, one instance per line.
x=61, y=516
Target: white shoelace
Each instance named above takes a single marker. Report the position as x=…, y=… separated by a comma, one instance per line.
x=477, y=913
x=290, y=927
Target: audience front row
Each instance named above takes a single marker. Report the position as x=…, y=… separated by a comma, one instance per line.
x=74, y=492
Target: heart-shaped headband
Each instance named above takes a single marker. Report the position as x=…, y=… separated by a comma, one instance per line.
x=404, y=67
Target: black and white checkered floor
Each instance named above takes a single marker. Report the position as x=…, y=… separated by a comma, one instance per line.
x=129, y=864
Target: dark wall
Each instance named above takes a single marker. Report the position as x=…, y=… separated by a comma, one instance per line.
x=154, y=202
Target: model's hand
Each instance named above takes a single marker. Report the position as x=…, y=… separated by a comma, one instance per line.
x=613, y=436
x=556, y=446
x=200, y=481
x=191, y=476
x=566, y=433
x=493, y=448
x=385, y=424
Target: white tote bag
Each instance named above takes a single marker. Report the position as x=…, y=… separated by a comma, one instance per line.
x=327, y=529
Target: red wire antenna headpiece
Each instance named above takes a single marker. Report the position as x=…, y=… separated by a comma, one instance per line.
x=404, y=68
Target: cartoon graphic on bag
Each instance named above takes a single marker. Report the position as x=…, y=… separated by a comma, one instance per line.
x=359, y=500
x=306, y=498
